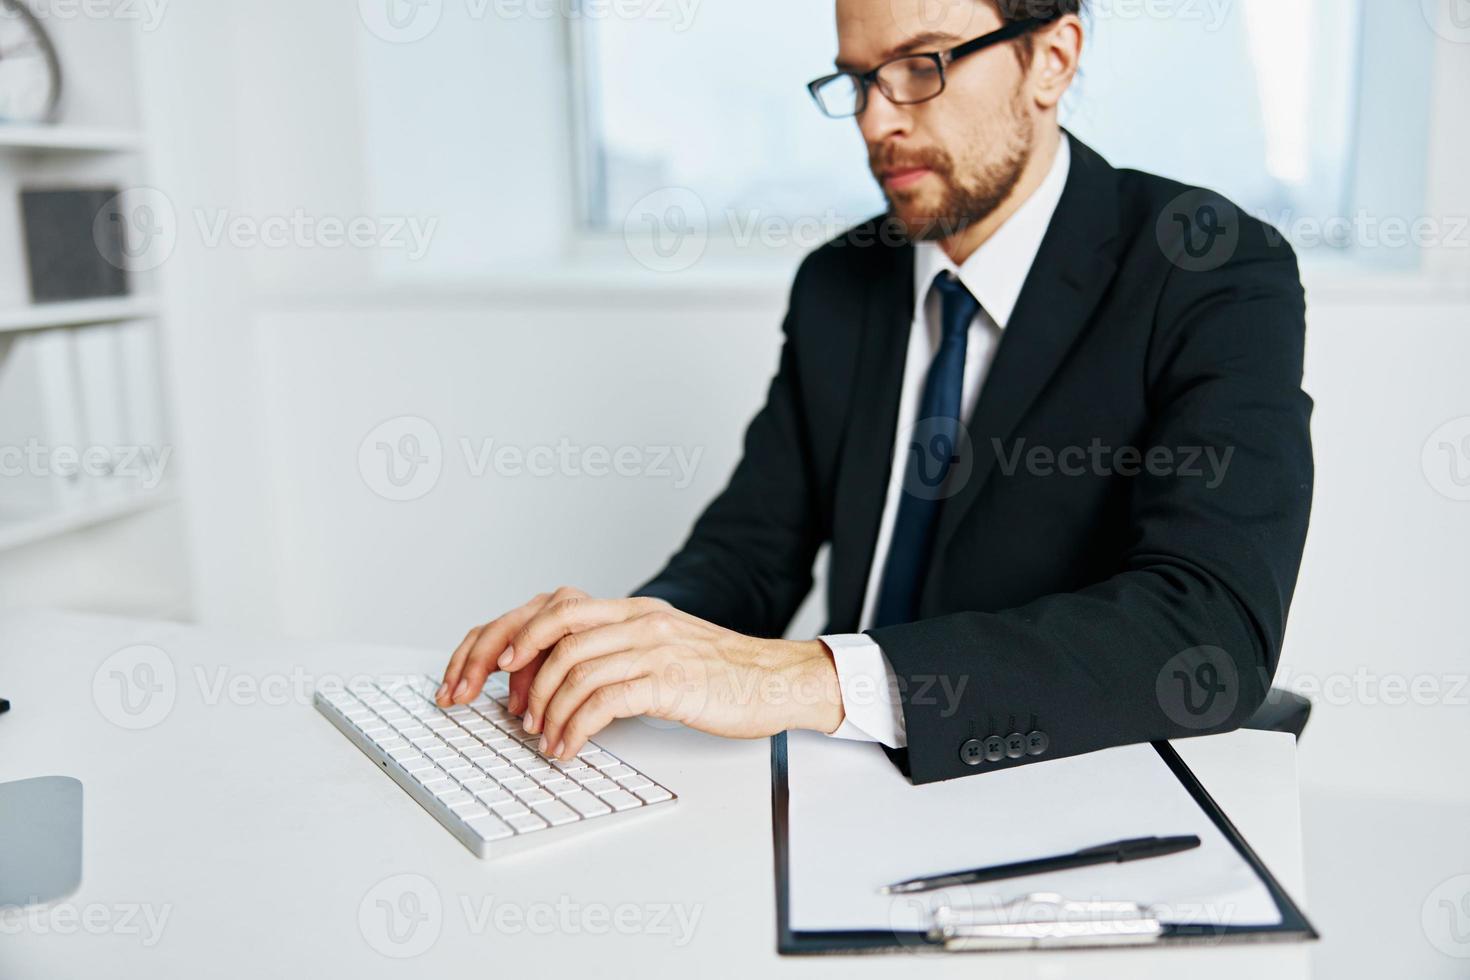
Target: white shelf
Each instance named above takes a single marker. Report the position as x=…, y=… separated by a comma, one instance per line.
x=76, y=313
x=18, y=532
x=69, y=139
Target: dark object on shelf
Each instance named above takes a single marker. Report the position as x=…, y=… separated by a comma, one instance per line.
x=4, y=706
x=76, y=241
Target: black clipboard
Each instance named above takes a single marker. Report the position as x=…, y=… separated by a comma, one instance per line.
x=1293, y=927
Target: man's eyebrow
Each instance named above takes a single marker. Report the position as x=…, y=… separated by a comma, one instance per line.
x=928, y=39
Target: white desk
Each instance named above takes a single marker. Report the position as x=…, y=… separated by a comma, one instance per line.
x=259, y=833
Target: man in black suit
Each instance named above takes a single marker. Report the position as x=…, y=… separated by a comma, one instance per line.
x=1048, y=415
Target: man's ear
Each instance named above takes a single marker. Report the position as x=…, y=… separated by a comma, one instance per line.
x=1056, y=52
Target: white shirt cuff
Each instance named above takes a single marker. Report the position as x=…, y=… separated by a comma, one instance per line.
x=870, y=701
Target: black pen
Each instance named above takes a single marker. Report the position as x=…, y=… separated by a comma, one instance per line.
x=1119, y=850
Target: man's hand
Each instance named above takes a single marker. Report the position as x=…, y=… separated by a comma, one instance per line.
x=485, y=648
x=577, y=663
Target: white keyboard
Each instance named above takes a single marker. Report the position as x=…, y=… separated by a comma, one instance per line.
x=477, y=770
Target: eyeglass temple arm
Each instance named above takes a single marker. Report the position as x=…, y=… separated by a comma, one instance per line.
x=1009, y=32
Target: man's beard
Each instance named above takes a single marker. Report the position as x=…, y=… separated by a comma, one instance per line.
x=961, y=204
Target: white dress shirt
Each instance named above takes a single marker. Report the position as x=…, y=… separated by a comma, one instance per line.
x=994, y=275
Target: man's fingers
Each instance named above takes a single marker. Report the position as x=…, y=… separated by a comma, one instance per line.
x=456, y=664
x=520, y=685
x=581, y=682
x=457, y=676
x=571, y=650
x=561, y=617
x=624, y=700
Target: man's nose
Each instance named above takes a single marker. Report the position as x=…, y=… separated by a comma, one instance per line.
x=881, y=119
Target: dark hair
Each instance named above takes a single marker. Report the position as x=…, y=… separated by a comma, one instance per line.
x=1011, y=10
x=1014, y=10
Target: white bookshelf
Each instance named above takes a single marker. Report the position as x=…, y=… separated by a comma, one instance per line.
x=77, y=313
x=20, y=529
x=79, y=374
x=68, y=139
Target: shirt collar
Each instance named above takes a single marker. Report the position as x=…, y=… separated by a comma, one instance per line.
x=997, y=270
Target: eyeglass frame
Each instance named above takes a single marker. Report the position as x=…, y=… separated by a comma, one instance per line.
x=942, y=59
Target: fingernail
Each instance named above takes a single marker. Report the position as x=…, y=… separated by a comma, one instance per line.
x=561, y=748
x=460, y=691
x=529, y=724
x=506, y=658
x=541, y=745
x=443, y=690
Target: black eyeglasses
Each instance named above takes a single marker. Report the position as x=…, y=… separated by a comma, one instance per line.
x=907, y=80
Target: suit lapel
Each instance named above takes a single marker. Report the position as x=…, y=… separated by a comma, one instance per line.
x=867, y=452
x=1071, y=272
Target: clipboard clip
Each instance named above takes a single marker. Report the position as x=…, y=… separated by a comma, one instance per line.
x=1041, y=920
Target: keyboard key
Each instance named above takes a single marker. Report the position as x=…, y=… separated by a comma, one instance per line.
x=492, y=795
x=599, y=759
x=403, y=753
x=516, y=784
x=417, y=764
x=500, y=772
x=653, y=794
x=584, y=775
x=525, y=823
x=635, y=781
x=620, y=800
x=600, y=786
x=586, y=804
x=560, y=787
x=555, y=812
x=618, y=771
x=443, y=783
x=537, y=795
x=449, y=797
x=509, y=808
x=477, y=782
x=469, y=808
x=489, y=827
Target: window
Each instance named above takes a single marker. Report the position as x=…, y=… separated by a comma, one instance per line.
x=1225, y=95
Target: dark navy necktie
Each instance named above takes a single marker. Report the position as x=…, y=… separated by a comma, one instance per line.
x=931, y=452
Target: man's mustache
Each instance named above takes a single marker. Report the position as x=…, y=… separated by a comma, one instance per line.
x=887, y=158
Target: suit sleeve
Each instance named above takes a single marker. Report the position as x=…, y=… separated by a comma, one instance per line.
x=747, y=564
x=1184, y=639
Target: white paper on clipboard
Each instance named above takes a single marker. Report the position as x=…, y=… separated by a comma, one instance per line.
x=856, y=824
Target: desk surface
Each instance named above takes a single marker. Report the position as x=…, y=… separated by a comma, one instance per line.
x=239, y=834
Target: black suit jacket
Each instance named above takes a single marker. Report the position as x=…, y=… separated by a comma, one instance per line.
x=1097, y=580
